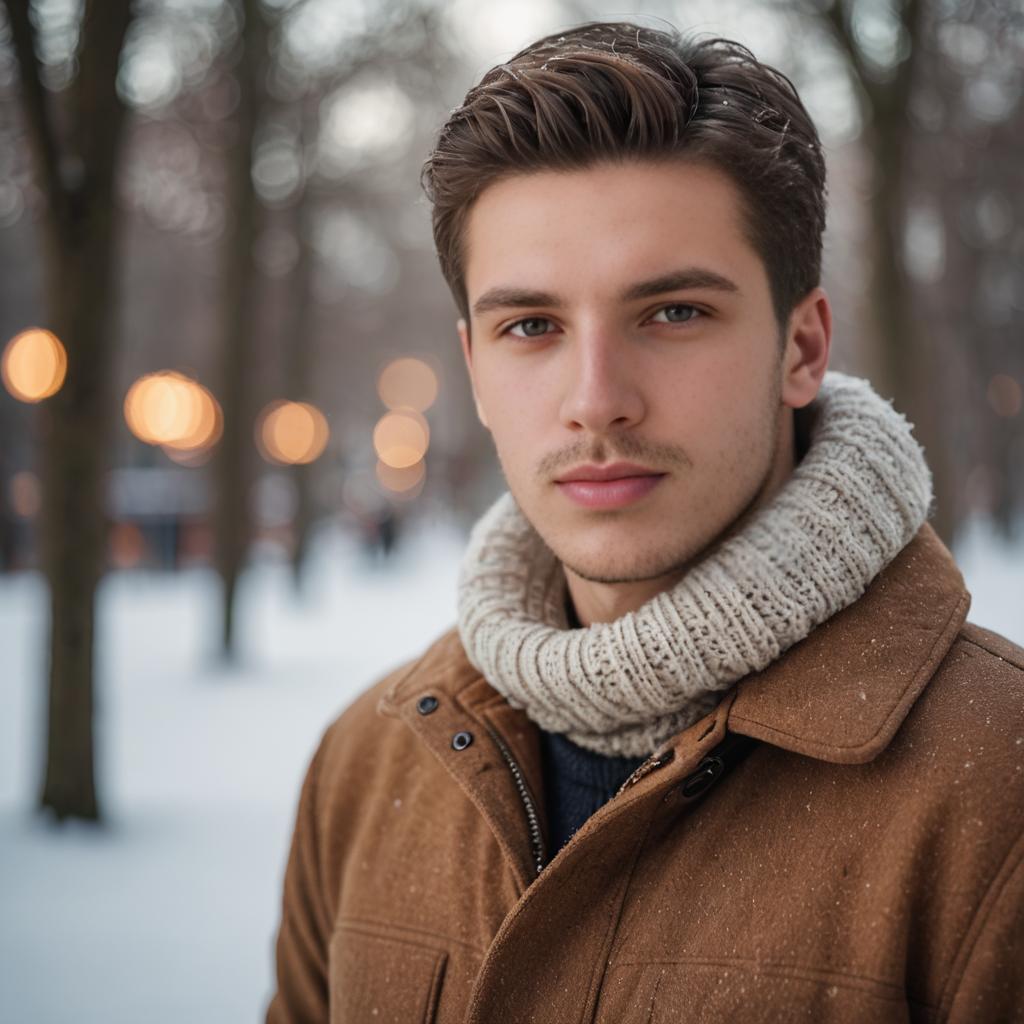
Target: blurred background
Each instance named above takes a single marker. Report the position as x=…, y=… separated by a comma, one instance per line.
x=238, y=456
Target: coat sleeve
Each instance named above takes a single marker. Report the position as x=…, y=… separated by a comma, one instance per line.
x=991, y=984
x=302, y=939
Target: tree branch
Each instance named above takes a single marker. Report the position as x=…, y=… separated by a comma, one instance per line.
x=838, y=18
x=38, y=120
x=99, y=110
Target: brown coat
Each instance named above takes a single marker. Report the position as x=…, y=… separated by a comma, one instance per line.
x=863, y=863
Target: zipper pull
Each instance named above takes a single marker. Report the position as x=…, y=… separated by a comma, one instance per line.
x=656, y=760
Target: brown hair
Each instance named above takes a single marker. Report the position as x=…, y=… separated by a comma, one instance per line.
x=611, y=91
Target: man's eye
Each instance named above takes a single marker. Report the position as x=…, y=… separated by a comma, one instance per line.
x=679, y=313
x=531, y=327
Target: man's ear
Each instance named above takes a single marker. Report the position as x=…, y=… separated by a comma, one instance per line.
x=467, y=354
x=808, y=340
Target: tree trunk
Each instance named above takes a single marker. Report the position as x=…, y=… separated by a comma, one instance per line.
x=298, y=349
x=233, y=456
x=76, y=428
x=914, y=372
x=76, y=168
x=913, y=376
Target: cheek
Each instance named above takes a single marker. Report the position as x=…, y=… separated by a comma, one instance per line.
x=516, y=416
x=720, y=410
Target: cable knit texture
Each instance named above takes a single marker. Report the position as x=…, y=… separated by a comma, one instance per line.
x=623, y=688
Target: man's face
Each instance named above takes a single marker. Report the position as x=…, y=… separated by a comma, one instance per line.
x=625, y=356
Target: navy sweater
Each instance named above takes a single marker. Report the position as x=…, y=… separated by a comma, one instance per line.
x=576, y=783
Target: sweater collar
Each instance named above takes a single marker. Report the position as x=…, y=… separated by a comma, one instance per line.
x=855, y=500
x=840, y=695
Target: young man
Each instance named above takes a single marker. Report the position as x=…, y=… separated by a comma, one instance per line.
x=712, y=741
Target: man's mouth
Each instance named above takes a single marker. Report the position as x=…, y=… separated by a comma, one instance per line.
x=610, y=486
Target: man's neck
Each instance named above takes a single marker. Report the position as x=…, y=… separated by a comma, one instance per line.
x=593, y=602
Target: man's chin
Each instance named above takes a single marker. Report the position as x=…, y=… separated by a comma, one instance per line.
x=639, y=568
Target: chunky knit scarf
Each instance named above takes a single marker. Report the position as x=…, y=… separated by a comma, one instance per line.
x=853, y=502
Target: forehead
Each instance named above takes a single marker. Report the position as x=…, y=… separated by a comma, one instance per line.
x=607, y=225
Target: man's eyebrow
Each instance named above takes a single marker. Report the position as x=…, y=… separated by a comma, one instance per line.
x=511, y=298
x=674, y=281
x=680, y=280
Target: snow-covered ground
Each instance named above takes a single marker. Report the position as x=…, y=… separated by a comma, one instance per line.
x=168, y=914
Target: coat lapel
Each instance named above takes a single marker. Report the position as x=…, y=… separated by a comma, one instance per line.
x=841, y=694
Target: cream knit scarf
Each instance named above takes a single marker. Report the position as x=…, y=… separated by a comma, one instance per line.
x=854, y=501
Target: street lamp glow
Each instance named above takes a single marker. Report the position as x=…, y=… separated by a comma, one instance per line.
x=34, y=365
x=173, y=411
x=407, y=384
x=401, y=481
x=401, y=438
x=292, y=433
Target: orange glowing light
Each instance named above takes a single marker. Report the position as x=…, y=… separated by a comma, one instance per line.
x=292, y=433
x=127, y=545
x=401, y=438
x=172, y=410
x=26, y=494
x=407, y=384
x=34, y=365
x=187, y=456
x=401, y=481
x=1005, y=396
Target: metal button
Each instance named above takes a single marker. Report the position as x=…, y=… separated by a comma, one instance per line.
x=426, y=704
x=461, y=740
x=704, y=777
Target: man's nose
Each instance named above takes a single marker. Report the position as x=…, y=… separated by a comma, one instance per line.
x=601, y=390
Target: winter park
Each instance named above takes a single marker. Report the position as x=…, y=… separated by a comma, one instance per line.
x=253, y=459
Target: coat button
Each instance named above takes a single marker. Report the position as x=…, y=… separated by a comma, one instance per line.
x=461, y=740
x=703, y=778
x=426, y=704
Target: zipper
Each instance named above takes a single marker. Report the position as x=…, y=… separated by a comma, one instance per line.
x=532, y=817
x=654, y=761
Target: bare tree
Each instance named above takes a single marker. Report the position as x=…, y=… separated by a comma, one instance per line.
x=75, y=136
x=398, y=39
x=910, y=372
x=240, y=315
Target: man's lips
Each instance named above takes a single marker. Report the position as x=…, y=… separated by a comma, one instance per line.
x=612, y=471
x=608, y=487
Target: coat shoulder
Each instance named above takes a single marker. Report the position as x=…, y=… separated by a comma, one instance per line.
x=364, y=736
x=969, y=723
x=994, y=645
x=988, y=670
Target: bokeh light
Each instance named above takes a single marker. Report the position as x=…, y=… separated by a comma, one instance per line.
x=407, y=384
x=1004, y=395
x=188, y=456
x=401, y=481
x=34, y=365
x=25, y=494
x=171, y=410
x=292, y=433
x=401, y=438
x=127, y=545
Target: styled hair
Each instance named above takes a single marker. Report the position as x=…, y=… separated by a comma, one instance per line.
x=617, y=92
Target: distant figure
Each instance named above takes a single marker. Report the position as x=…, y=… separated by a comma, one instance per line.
x=387, y=531
x=378, y=531
x=712, y=740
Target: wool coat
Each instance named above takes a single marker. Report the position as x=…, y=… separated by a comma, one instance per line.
x=863, y=862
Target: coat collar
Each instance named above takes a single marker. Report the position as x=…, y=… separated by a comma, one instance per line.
x=839, y=695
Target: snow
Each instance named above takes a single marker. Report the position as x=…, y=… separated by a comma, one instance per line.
x=994, y=572
x=168, y=913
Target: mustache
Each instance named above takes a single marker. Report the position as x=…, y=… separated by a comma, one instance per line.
x=627, y=448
